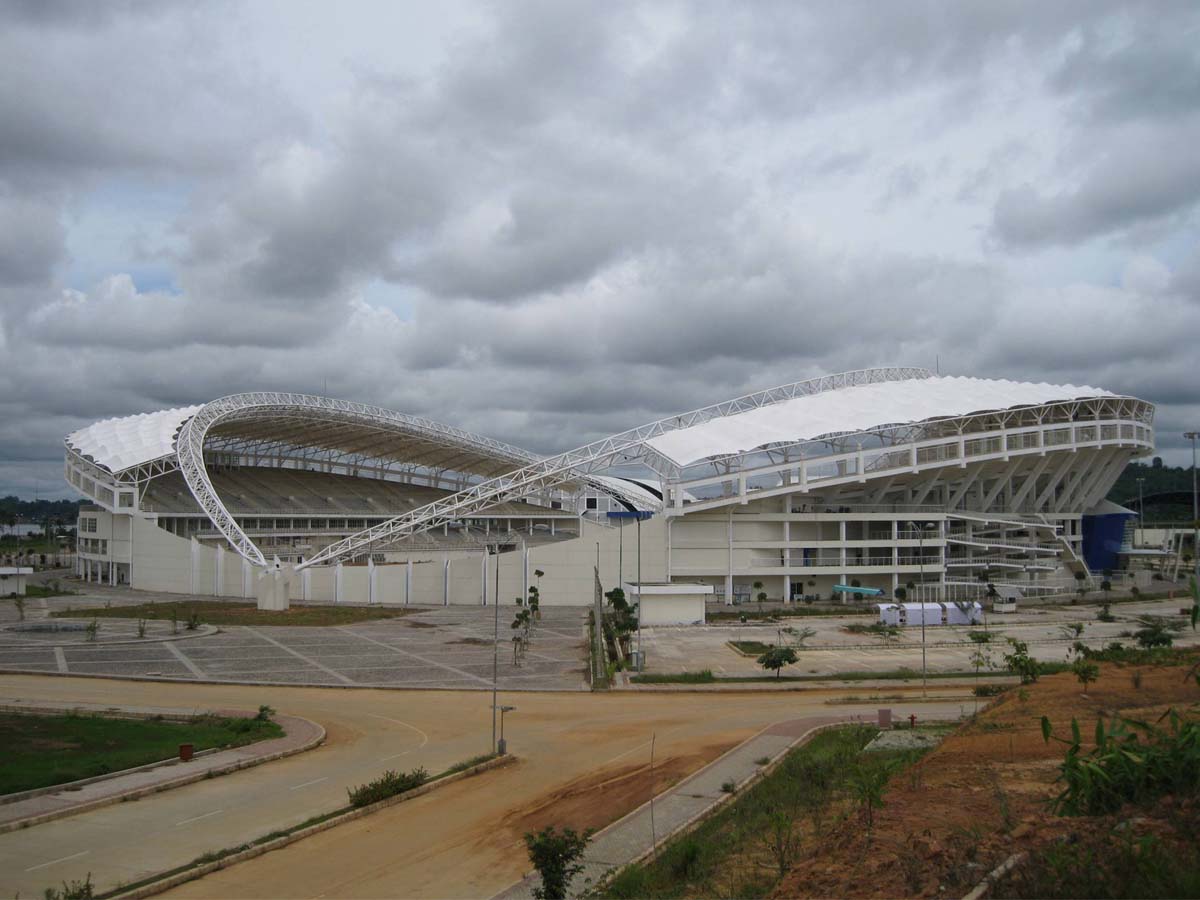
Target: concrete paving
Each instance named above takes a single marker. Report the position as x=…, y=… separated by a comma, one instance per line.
x=435, y=647
x=948, y=648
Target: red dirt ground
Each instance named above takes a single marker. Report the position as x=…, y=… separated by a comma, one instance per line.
x=980, y=796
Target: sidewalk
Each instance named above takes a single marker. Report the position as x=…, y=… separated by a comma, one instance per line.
x=54, y=803
x=630, y=838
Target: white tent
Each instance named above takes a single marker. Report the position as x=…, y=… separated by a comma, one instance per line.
x=913, y=612
x=972, y=614
x=889, y=613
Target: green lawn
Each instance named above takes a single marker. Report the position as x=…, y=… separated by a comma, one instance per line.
x=213, y=612
x=37, y=751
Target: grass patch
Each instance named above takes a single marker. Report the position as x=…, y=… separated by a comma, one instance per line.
x=742, y=850
x=39, y=751
x=213, y=612
x=706, y=676
x=751, y=648
x=41, y=590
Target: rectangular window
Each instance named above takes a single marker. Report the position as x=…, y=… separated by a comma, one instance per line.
x=593, y=502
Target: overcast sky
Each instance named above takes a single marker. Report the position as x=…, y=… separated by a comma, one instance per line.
x=550, y=222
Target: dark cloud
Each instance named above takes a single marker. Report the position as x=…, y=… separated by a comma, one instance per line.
x=587, y=217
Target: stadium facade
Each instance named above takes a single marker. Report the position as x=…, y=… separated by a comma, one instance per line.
x=869, y=479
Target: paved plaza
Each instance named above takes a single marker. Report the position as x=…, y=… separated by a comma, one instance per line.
x=440, y=647
x=833, y=650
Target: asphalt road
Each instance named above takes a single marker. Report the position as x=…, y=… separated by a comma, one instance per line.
x=415, y=849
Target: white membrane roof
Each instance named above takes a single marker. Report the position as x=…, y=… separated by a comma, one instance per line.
x=119, y=444
x=855, y=409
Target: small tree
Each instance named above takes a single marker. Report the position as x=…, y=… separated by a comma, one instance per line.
x=901, y=594
x=1106, y=586
x=761, y=595
x=776, y=658
x=1086, y=671
x=1019, y=662
x=866, y=784
x=1080, y=588
x=19, y=603
x=556, y=856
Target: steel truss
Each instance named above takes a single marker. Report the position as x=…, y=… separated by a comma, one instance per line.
x=628, y=446
x=318, y=413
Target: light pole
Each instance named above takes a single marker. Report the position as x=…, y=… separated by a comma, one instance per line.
x=921, y=564
x=641, y=659
x=1192, y=435
x=495, y=645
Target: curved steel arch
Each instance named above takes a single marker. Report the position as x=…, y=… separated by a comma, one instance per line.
x=189, y=445
x=628, y=445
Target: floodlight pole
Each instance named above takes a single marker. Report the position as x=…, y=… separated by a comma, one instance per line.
x=1192, y=435
x=641, y=661
x=921, y=564
x=495, y=645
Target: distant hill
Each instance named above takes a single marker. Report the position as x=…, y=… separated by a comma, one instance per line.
x=1158, y=479
x=65, y=511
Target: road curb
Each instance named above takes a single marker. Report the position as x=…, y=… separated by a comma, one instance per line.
x=192, y=872
x=181, y=781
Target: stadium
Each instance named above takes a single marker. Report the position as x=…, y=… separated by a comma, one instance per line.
x=870, y=480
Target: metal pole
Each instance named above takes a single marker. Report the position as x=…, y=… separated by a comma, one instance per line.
x=495, y=646
x=1195, y=509
x=641, y=660
x=921, y=564
x=621, y=556
x=653, y=831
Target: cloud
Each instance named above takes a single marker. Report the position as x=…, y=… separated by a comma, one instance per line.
x=592, y=216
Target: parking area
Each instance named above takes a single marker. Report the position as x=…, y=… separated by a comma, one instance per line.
x=832, y=649
x=442, y=647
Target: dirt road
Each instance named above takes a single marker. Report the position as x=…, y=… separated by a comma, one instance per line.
x=583, y=762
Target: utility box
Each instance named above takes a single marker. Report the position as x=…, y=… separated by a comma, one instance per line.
x=885, y=718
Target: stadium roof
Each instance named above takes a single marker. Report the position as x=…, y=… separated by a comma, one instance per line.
x=119, y=444
x=856, y=408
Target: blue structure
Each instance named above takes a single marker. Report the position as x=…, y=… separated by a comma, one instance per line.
x=1103, y=534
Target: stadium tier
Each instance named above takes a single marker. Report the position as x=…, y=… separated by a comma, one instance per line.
x=875, y=479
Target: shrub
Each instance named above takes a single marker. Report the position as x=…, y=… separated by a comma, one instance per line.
x=389, y=784
x=729, y=787
x=73, y=890
x=1019, y=662
x=988, y=690
x=1132, y=762
x=556, y=857
x=1085, y=671
x=264, y=713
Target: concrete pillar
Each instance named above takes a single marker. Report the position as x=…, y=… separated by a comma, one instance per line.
x=370, y=581
x=337, y=583
x=483, y=576
x=446, y=582
x=729, y=568
x=408, y=572
x=220, y=571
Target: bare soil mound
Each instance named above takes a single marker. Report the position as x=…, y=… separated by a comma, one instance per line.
x=982, y=795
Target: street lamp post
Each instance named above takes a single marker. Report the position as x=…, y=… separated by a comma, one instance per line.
x=639, y=576
x=495, y=646
x=1192, y=435
x=921, y=565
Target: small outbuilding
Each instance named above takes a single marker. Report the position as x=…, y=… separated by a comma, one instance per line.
x=889, y=613
x=673, y=603
x=12, y=580
x=967, y=614
x=914, y=613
